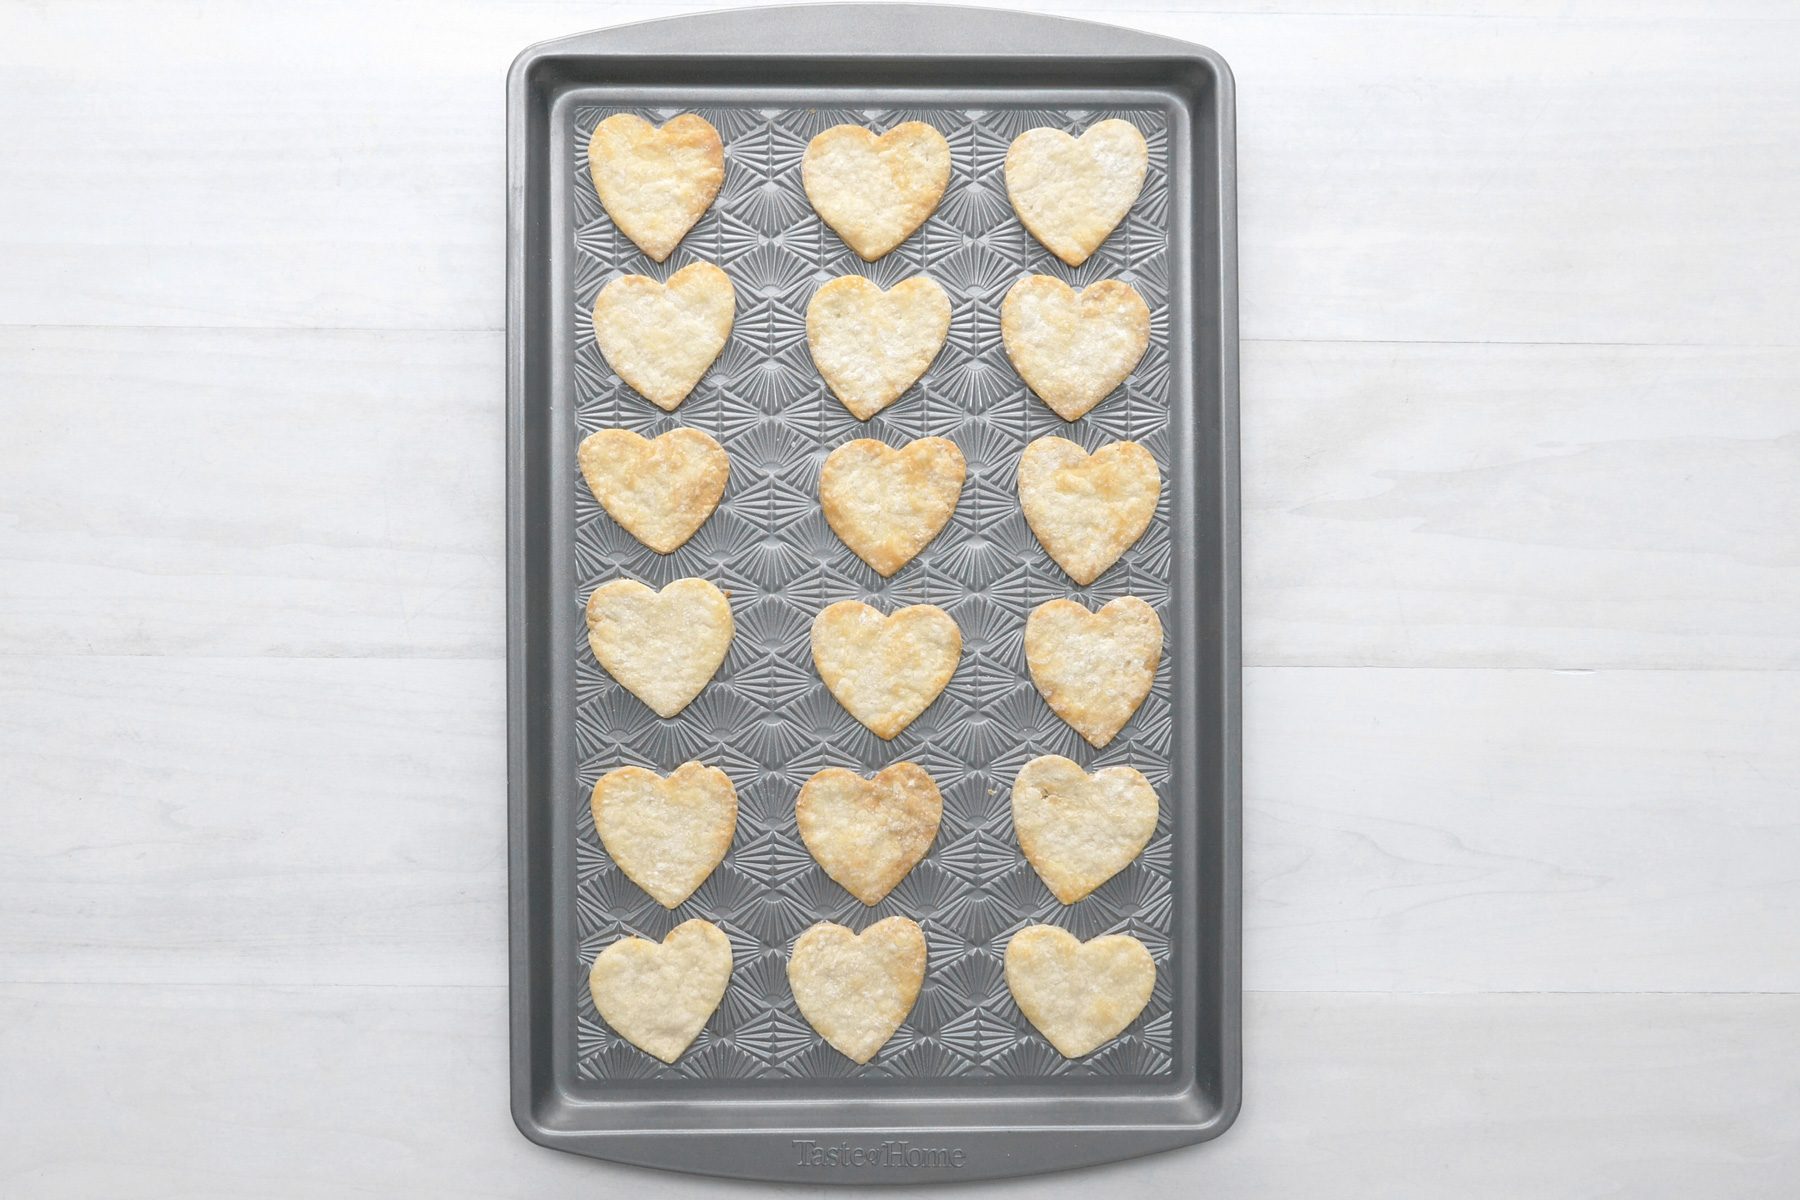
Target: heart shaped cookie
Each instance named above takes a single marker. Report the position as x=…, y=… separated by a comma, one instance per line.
x=887, y=504
x=661, y=491
x=658, y=997
x=662, y=646
x=855, y=989
x=868, y=833
x=871, y=345
x=667, y=835
x=885, y=670
x=1079, y=830
x=655, y=183
x=1071, y=192
x=1073, y=350
x=1078, y=995
x=874, y=191
x=1086, y=510
x=1094, y=668
x=659, y=337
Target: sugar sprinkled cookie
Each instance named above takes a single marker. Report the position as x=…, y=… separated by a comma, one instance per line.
x=1072, y=192
x=875, y=191
x=658, y=996
x=1087, y=509
x=1079, y=995
x=667, y=835
x=856, y=989
x=661, y=490
x=1094, y=668
x=887, y=504
x=655, y=183
x=662, y=646
x=868, y=833
x=1073, y=348
x=660, y=338
x=1079, y=830
x=870, y=345
x=885, y=670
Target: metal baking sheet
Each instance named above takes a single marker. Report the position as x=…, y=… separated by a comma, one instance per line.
x=966, y=1088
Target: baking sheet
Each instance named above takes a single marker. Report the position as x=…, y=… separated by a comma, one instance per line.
x=767, y=719
x=759, y=1076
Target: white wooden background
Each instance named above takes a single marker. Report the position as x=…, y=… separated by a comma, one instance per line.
x=1521, y=281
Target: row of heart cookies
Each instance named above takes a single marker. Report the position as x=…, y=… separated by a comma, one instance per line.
x=1071, y=348
x=873, y=191
x=669, y=835
x=1094, y=669
x=857, y=989
x=886, y=504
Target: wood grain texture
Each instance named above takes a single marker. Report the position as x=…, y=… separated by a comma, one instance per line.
x=249, y=820
x=1549, y=506
x=1491, y=830
x=276, y=1092
x=202, y=492
x=331, y=493
x=341, y=821
x=1414, y=178
x=1522, y=576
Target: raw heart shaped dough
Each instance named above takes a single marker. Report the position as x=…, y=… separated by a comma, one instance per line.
x=868, y=833
x=655, y=183
x=1086, y=509
x=1078, y=995
x=856, y=989
x=660, y=338
x=1094, y=668
x=1079, y=830
x=667, y=835
x=661, y=491
x=662, y=646
x=1073, y=350
x=874, y=191
x=870, y=345
x=658, y=997
x=886, y=504
x=1070, y=193
x=885, y=670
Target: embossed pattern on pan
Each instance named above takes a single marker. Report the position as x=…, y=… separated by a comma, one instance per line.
x=767, y=719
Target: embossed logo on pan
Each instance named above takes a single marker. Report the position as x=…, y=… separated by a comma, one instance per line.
x=809, y=1152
